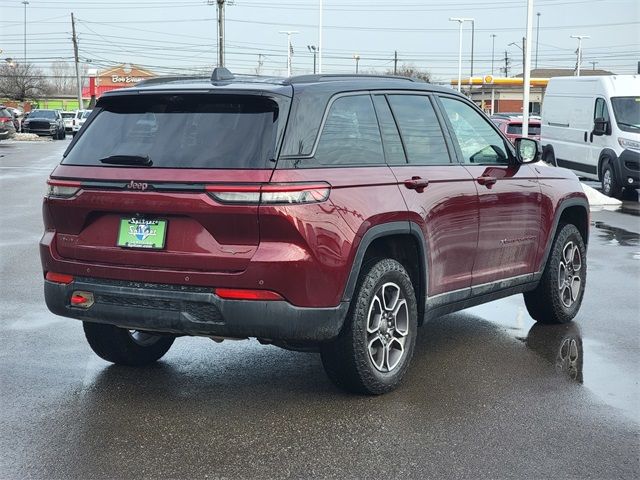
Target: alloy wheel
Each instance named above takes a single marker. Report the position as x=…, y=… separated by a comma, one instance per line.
x=387, y=327
x=569, y=274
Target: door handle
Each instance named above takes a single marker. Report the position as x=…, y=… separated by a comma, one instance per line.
x=585, y=136
x=416, y=183
x=486, y=180
x=591, y=137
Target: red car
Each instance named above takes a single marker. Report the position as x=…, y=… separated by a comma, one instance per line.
x=512, y=127
x=317, y=213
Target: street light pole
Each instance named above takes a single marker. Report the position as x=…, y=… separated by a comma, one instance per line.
x=320, y=39
x=25, y=3
x=579, y=52
x=460, y=22
x=493, y=49
x=527, y=70
x=288, y=33
x=537, y=37
x=356, y=57
x=314, y=51
x=473, y=36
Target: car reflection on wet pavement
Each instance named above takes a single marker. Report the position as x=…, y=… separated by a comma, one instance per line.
x=490, y=394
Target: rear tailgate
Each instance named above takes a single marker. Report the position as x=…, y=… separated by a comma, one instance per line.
x=179, y=135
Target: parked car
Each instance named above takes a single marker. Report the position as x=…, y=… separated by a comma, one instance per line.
x=315, y=213
x=7, y=127
x=17, y=117
x=512, y=127
x=68, y=117
x=45, y=123
x=510, y=115
x=78, y=121
x=591, y=125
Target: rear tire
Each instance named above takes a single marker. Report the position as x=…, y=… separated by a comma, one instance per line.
x=125, y=347
x=558, y=296
x=374, y=349
x=610, y=185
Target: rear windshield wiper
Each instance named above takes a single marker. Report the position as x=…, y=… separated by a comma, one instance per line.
x=144, y=161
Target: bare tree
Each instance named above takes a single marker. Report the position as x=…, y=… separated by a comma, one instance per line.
x=62, y=78
x=406, y=70
x=22, y=81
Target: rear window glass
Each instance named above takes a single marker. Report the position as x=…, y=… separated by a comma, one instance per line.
x=86, y=113
x=68, y=114
x=516, y=129
x=4, y=113
x=182, y=131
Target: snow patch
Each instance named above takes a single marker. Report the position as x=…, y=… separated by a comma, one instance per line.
x=597, y=199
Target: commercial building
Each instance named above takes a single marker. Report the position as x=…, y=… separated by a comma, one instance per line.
x=120, y=76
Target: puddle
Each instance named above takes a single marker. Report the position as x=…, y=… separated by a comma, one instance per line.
x=616, y=236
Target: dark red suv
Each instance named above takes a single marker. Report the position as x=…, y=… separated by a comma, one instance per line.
x=320, y=213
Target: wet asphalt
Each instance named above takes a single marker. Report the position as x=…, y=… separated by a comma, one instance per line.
x=489, y=394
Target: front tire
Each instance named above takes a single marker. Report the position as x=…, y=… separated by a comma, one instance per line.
x=373, y=352
x=558, y=296
x=126, y=347
x=610, y=185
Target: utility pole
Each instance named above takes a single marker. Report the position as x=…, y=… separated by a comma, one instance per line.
x=506, y=63
x=77, y=62
x=25, y=3
x=524, y=48
x=288, y=33
x=260, y=64
x=579, y=52
x=537, y=38
x=356, y=57
x=314, y=50
x=593, y=64
x=395, y=62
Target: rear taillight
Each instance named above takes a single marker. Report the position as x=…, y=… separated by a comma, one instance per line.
x=62, y=188
x=5, y=120
x=271, y=194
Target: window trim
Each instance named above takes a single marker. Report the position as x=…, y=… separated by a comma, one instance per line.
x=507, y=144
x=385, y=99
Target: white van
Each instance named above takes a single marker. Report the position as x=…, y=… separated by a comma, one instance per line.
x=591, y=125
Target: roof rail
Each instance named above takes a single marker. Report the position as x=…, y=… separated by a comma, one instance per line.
x=168, y=79
x=332, y=77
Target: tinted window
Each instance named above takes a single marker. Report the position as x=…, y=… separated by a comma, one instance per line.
x=393, y=149
x=420, y=129
x=350, y=135
x=182, y=131
x=477, y=139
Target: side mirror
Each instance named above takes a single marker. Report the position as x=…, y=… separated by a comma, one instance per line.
x=601, y=127
x=528, y=150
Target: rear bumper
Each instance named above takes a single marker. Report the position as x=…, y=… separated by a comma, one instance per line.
x=193, y=311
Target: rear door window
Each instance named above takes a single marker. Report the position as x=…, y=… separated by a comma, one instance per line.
x=182, y=131
x=420, y=129
x=350, y=135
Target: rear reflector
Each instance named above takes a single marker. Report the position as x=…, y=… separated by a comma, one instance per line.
x=241, y=294
x=271, y=194
x=59, y=277
x=62, y=188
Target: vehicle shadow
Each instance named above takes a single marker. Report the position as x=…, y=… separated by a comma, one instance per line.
x=248, y=408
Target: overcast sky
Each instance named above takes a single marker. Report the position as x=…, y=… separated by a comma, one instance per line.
x=180, y=36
